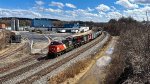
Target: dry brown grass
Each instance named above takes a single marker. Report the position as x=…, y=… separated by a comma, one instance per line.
x=70, y=72
x=4, y=39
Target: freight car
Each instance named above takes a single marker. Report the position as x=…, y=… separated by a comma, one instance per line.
x=57, y=48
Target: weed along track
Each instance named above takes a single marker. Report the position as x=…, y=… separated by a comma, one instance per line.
x=18, y=63
x=40, y=68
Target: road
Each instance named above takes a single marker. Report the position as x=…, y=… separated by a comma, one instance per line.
x=39, y=42
x=41, y=37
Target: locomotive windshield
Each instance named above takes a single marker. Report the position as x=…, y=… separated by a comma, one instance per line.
x=55, y=43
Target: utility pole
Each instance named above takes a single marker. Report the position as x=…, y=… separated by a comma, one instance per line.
x=147, y=16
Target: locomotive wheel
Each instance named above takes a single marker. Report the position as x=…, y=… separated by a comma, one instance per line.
x=55, y=55
x=58, y=54
x=50, y=56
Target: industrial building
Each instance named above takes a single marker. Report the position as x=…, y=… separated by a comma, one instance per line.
x=41, y=23
x=14, y=24
x=73, y=28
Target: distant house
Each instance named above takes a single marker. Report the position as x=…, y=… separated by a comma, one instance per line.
x=2, y=25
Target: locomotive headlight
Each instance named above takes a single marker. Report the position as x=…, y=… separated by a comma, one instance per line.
x=57, y=48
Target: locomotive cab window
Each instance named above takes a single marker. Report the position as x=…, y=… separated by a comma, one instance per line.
x=56, y=43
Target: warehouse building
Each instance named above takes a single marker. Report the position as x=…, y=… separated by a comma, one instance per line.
x=41, y=23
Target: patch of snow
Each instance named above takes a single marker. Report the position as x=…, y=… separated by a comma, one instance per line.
x=110, y=51
x=103, y=61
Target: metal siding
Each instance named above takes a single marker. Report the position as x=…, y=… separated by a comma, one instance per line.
x=71, y=26
x=44, y=23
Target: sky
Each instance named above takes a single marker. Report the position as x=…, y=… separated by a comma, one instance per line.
x=83, y=10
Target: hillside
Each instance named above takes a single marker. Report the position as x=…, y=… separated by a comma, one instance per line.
x=131, y=62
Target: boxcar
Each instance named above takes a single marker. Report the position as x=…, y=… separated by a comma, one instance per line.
x=85, y=37
x=90, y=36
x=79, y=40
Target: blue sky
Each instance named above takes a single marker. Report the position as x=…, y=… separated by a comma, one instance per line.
x=84, y=10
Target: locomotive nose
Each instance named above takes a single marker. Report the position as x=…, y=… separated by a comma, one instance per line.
x=52, y=49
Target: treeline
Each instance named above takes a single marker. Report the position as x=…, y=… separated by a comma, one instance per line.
x=114, y=27
x=55, y=22
x=90, y=24
x=133, y=49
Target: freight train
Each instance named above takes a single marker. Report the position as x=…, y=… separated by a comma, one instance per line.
x=57, y=48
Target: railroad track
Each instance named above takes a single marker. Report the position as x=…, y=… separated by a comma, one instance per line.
x=48, y=69
x=19, y=63
x=7, y=54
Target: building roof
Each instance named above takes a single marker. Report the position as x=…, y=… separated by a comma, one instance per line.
x=46, y=19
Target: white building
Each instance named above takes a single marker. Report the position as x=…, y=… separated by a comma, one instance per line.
x=73, y=28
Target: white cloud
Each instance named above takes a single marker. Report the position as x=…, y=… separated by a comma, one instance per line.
x=127, y=4
x=81, y=13
x=89, y=9
x=53, y=10
x=138, y=14
x=114, y=15
x=70, y=5
x=71, y=13
x=18, y=13
x=102, y=7
x=39, y=2
x=58, y=4
x=141, y=1
x=91, y=14
x=113, y=8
